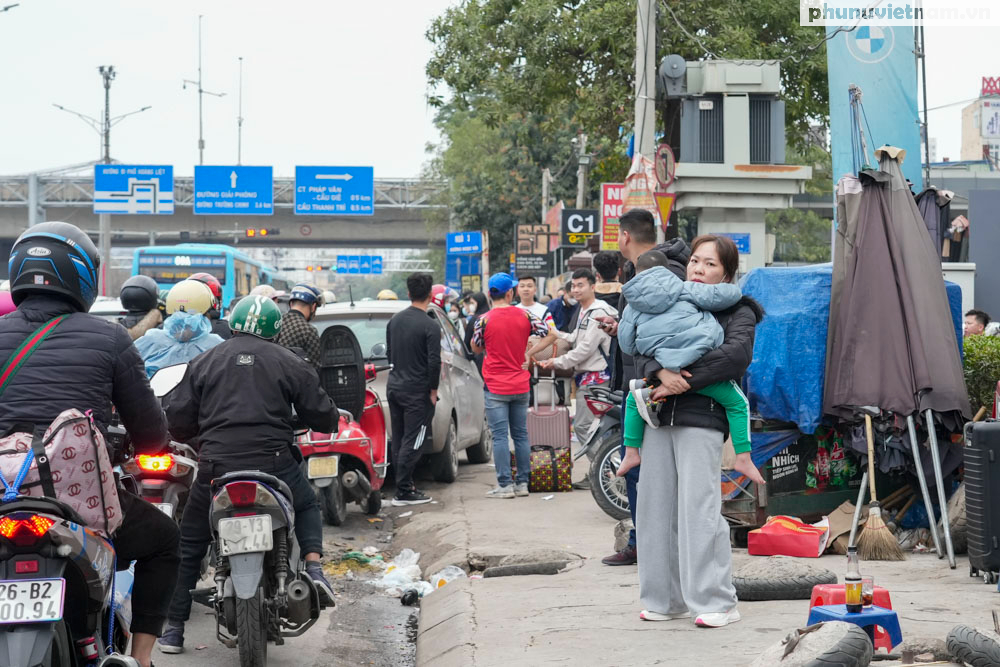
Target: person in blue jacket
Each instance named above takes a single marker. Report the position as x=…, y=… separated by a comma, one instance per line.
x=186, y=332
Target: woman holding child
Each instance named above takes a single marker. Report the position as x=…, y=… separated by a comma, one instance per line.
x=684, y=554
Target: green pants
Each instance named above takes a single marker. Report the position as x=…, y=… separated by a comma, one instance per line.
x=727, y=394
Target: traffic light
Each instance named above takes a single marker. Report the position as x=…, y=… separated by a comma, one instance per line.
x=258, y=232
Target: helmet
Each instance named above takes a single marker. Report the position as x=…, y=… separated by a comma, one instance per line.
x=139, y=294
x=256, y=315
x=329, y=297
x=189, y=296
x=441, y=295
x=265, y=291
x=212, y=282
x=387, y=295
x=55, y=258
x=307, y=293
x=6, y=303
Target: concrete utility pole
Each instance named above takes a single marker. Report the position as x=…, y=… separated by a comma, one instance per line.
x=645, y=77
x=581, y=171
x=546, y=179
x=239, y=120
x=108, y=73
x=201, y=92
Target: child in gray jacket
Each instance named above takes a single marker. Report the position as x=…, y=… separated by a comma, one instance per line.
x=670, y=320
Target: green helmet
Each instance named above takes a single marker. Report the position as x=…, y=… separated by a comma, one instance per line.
x=256, y=315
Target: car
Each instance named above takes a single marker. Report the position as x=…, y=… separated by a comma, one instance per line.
x=109, y=308
x=460, y=417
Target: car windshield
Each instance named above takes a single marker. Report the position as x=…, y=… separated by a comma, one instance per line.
x=368, y=328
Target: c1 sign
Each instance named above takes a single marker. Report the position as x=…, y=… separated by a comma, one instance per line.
x=578, y=225
x=612, y=199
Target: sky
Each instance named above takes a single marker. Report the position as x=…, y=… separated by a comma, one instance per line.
x=326, y=82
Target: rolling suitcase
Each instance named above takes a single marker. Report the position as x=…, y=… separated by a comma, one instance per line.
x=548, y=425
x=982, y=498
x=549, y=436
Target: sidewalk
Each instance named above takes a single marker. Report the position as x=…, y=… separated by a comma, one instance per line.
x=589, y=615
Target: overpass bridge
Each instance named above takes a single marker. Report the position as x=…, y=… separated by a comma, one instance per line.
x=398, y=222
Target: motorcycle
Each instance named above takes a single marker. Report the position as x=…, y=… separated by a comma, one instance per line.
x=165, y=480
x=602, y=446
x=352, y=464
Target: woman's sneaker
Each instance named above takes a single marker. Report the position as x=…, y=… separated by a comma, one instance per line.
x=717, y=620
x=647, y=615
x=501, y=492
x=172, y=640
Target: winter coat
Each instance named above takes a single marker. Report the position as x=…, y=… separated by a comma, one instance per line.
x=86, y=363
x=670, y=319
x=183, y=337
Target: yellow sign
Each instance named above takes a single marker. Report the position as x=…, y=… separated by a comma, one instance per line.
x=664, y=204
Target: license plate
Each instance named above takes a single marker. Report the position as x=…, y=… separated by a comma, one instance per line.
x=323, y=466
x=166, y=508
x=31, y=600
x=246, y=534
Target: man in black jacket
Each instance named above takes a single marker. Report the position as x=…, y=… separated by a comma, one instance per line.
x=88, y=363
x=414, y=350
x=237, y=400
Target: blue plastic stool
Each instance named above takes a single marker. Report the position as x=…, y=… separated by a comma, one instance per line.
x=867, y=619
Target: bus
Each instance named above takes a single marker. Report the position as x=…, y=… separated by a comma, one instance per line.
x=238, y=273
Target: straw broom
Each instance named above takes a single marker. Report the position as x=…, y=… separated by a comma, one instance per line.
x=876, y=541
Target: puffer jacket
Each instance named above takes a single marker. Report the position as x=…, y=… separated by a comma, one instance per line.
x=183, y=337
x=671, y=319
x=86, y=363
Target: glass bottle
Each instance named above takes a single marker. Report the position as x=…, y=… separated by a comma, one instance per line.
x=852, y=582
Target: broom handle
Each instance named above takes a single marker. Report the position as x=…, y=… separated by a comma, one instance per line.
x=871, y=457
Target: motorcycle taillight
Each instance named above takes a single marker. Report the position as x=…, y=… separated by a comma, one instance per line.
x=242, y=494
x=24, y=529
x=598, y=407
x=151, y=463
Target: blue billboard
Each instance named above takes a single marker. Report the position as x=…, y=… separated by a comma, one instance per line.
x=334, y=191
x=233, y=190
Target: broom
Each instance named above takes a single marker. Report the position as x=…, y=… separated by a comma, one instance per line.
x=876, y=541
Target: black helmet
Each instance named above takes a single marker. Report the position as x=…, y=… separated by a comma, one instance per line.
x=55, y=258
x=139, y=294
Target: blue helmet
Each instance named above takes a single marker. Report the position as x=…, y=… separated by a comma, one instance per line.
x=55, y=258
x=307, y=293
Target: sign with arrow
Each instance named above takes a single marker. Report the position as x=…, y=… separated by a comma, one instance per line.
x=334, y=191
x=233, y=190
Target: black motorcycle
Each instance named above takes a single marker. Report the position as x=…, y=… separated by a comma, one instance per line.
x=602, y=446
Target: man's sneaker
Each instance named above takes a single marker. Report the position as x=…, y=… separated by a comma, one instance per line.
x=501, y=492
x=412, y=497
x=647, y=411
x=583, y=484
x=521, y=489
x=647, y=615
x=314, y=570
x=717, y=620
x=626, y=556
x=172, y=640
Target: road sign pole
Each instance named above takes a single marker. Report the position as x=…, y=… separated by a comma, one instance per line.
x=105, y=242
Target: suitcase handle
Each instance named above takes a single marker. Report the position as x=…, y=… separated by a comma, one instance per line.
x=553, y=380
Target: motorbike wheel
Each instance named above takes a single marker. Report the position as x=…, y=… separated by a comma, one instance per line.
x=60, y=653
x=444, y=464
x=251, y=630
x=482, y=451
x=331, y=499
x=608, y=490
x=374, y=503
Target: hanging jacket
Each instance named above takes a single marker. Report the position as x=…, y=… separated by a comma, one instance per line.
x=183, y=337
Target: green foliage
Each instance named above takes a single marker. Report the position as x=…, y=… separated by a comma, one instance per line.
x=801, y=235
x=982, y=369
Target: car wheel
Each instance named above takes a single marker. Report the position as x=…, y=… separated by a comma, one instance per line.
x=482, y=451
x=445, y=462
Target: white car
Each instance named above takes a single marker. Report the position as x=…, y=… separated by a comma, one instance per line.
x=110, y=308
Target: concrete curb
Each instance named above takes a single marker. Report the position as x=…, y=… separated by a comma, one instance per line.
x=447, y=618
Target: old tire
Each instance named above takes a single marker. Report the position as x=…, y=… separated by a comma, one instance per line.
x=758, y=589
x=251, y=630
x=608, y=490
x=444, y=465
x=482, y=451
x=332, y=501
x=374, y=502
x=834, y=644
x=972, y=647
x=957, y=521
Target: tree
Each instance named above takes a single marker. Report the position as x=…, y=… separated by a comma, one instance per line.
x=801, y=235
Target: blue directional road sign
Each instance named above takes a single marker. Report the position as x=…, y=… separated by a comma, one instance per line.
x=134, y=189
x=353, y=264
x=233, y=190
x=463, y=243
x=341, y=263
x=364, y=265
x=334, y=191
x=377, y=265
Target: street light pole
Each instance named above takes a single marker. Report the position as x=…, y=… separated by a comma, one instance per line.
x=108, y=73
x=201, y=92
x=239, y=120
x=645, y=77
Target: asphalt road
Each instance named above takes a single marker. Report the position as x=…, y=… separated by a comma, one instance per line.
x=366, y=627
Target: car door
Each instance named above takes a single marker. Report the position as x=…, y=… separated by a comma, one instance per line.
x=470, y=418
x=447, y=391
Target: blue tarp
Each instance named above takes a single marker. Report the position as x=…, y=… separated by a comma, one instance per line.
x=785, y=379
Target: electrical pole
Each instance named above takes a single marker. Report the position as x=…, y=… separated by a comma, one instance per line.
x=926, y=128
x=104, y=219
x=201, y=92
x=546, y=179
x=645, y=77
x=239, y=121
x=581, y=171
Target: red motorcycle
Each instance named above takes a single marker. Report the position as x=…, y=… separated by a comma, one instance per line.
x=350, y=465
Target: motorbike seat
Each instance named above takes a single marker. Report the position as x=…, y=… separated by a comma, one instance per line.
x=252, y=475
x=43, y=506
x=617, y=396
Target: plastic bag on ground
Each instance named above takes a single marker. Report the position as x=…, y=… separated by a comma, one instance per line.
x=449, y=573
x=402, y=571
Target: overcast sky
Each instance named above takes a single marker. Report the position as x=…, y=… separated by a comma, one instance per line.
x=327, y=82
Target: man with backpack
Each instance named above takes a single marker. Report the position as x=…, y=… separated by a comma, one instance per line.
x=87, y=363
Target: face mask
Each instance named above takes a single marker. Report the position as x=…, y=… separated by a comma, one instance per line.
x=453, y=316
x=465, y=311
x=572, y=301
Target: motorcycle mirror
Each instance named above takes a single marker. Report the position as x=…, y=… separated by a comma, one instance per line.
x=378, y=351
x=165, y=379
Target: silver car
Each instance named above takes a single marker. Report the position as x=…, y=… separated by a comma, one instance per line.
x=460, y=417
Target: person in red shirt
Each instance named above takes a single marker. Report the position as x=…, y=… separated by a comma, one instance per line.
x=503, y=334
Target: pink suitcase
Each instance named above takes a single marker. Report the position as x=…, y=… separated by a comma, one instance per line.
x=548, y=425
x=73, y=455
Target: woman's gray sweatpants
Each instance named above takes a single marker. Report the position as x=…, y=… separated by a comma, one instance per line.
x=685, y=559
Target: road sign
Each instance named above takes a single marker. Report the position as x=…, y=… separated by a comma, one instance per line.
x=665, y=204
x=464, y=243
x=353, y=264
x=229, y=190
x=531, y=265
x=742, y=241
x=376, y=265
x=342, y=264
x=666, y=165
x=134, y=189
x=457, y=266
x=578, y=225
x=612, y=199
x=334, y=191
x=366, y=265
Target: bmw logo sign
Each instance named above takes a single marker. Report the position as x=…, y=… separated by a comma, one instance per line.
x=870, y=44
